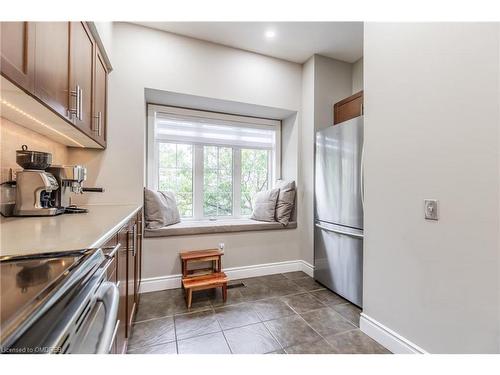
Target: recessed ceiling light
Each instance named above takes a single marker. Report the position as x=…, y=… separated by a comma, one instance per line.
x=270, y=34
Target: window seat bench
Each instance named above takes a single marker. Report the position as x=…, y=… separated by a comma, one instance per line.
x=185, y=228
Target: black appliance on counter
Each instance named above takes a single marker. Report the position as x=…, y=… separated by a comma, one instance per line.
x=57, y=303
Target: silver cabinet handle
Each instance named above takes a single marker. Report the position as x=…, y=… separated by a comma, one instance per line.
x=99, y=123
x=113, y=252
x=338, y=231
x=134, y=239
x=76, y=94
x=80, y=105
x=362, y=176
x=109, y=295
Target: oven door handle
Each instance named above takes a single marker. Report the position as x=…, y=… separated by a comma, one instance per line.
x=109, y=296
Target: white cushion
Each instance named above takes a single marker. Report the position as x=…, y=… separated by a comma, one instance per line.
x=264, y=205
x=160, y=209
x=286, y=201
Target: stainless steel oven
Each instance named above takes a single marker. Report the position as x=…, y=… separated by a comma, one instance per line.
x=57, y=303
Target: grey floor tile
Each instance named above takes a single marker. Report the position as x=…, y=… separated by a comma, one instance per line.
x=236, y=316
x=213, y=343
x=279, y=351
x=302, y=303
x=308, y=283
x=349, y=311
x=152, y=332
x=168, y=348
x=195, y=324
x=270, y=279
x=233, y=296
x=355, y=342
x=327, y=322
x=167, y=303
x=291, y=331
x=317, y=347
x=262, y=280
x=255, y=292
x=252, y=339
x=295, y=275
x=284, y=288
x=272, y=308
x=328, y=298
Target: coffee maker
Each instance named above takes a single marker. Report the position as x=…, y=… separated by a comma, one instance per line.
x=35, y=191
x=70, y=179
x=35, y=194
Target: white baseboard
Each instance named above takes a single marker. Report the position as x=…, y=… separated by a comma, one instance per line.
x=153, y=284
x=387, y=337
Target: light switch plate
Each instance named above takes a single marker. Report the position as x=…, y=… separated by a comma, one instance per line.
x=431, y=209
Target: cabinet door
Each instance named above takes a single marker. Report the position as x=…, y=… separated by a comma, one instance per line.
x=131, y=263
x=100, y=98
x=138, y=258
x=348, y=108
x=121, y=269
x=52, y=65
x=81, y=75
x=17, y=43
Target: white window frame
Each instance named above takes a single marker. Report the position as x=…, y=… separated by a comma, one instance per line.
x=198, y=159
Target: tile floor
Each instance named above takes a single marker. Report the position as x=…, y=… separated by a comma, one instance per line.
x=279, y=314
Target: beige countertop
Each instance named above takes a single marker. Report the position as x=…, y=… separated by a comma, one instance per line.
x=32, y=235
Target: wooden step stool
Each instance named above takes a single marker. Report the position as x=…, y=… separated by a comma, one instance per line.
x=204, y=278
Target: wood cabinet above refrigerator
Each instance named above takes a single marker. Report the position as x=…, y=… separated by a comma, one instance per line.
x=348, y=108
x=54, y=80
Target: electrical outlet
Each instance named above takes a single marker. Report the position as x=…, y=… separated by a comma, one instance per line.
x=431, y=209
x=221, y=247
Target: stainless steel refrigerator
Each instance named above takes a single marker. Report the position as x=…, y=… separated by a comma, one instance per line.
x=338, y=212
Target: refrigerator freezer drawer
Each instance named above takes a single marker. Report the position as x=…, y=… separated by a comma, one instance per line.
x=338, y=260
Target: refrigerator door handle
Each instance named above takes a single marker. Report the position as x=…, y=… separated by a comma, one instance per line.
x=338, y=231
x=362, y=177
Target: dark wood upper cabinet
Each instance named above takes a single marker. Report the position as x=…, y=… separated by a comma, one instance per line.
x=348, y=108
x=18, y=53
x=52, y=65
x=81, y=75
x=61, y=65
x=100, y=97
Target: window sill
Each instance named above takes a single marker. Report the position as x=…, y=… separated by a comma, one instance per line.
x=186, y=228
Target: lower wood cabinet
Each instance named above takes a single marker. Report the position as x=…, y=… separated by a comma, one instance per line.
x=124, y=268
x=122, y=287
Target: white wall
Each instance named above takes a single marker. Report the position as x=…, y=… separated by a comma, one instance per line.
x=306, y=151
x=357, y=76
x=431, y=131
x=146, y=58
x=332, y=83
x=325, y=81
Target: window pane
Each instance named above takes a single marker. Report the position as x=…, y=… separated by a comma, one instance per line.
x=218, y=181
x=176, y=174
x=254, y=176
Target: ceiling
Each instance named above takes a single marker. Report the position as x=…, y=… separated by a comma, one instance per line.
x=292, y=41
